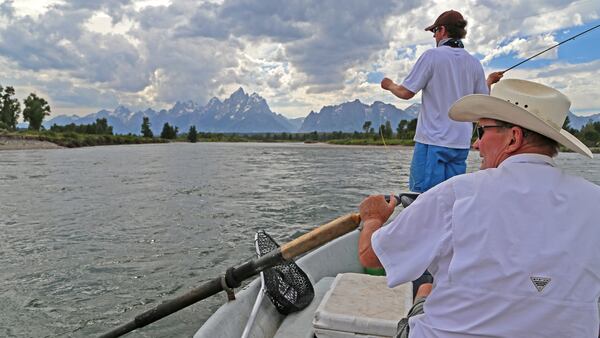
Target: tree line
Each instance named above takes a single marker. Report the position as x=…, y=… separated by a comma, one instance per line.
x=34, y=111
x=405, y=130
x=588, y=134
x=100, y=127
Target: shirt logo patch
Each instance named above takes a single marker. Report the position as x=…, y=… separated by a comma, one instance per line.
x=540, y=282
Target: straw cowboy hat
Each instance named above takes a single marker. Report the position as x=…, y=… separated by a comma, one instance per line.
x=523, y=103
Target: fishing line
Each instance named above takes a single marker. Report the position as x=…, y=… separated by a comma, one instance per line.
x=547, y=49
x=381, y=133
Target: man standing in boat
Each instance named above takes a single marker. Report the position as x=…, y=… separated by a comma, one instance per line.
x=513, y=247
x=443, y=74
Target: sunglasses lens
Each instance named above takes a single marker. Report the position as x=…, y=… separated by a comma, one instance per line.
x=480, y=130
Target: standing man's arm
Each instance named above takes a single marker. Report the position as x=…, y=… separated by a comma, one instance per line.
x=396, y=89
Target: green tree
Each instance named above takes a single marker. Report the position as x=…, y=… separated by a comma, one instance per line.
x=192, y=135
x=412, y=125
x=389, y=132
x=146, y=131
x=10, y=108
x=367, y=126
x=589, y=134
x=401, y=130
x=169, y=132
x=567, y=126
x=36, y=108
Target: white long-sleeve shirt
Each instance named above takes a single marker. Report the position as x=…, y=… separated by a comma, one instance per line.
x=514, y=251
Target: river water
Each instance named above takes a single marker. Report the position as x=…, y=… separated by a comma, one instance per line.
x=91, y=237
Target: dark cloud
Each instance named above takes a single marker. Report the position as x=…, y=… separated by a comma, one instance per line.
x=42, y=44
x=67, y=94
x=58, y=40
x=114, y=8
x=321, y=39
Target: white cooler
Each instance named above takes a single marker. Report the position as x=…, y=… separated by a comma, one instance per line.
x=359, y=305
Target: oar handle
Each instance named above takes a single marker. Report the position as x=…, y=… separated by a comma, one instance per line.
x=320, y=236
x=334, y=229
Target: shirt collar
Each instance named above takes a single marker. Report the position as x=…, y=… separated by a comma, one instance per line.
x=442, y=42
x=529, y=158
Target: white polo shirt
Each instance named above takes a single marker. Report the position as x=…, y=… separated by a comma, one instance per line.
x=444, y=75
x=514, y=251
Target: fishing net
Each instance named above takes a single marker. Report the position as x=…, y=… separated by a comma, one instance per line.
x=286, y=285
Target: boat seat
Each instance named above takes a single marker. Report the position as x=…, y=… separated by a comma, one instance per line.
x=360, y=305
x=299, y=324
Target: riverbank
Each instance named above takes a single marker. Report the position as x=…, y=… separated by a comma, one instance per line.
x=17, y=143
x=51, y=140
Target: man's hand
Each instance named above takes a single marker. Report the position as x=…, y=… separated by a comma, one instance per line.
x=375, y=208
x=386, y=83
x=493, y=78
x=396, y=89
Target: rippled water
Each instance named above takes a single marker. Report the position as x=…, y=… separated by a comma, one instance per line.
x=91, y=237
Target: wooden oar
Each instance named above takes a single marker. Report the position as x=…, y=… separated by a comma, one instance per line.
x=235, y=275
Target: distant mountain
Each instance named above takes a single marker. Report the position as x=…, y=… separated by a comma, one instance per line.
x=240, y=113
x=351, y=116
x=578, y=122
x=297, y=122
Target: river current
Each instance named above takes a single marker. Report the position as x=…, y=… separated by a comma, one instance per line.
x=91, y=237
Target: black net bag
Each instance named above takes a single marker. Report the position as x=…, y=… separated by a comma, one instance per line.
x=286, y=285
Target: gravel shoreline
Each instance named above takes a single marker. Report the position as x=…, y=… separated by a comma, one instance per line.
x=10, y=143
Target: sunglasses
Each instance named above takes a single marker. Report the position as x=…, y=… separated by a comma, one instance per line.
x=481, y=129
x=436, y=29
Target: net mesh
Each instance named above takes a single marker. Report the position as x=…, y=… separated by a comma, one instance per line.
x=286, y=285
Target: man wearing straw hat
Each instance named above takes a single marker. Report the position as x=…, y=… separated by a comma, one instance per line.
x=513, y=248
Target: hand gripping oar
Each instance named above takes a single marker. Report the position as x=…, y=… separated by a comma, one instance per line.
x=235, y=275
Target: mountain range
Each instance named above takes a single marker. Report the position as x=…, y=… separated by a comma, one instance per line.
x=243, y=113
x=351, y=116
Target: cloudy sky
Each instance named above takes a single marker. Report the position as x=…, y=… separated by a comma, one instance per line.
x=85, y=55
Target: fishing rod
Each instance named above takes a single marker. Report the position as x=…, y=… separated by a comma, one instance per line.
x=547, y=49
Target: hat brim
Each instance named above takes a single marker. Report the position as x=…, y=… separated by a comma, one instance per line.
x=477, y=106
x=430, y=28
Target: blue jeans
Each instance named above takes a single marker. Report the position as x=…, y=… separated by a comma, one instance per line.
x=432, y=165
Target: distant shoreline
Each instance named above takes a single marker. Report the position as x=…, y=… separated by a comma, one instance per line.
x=21, y=143
x=27, y=143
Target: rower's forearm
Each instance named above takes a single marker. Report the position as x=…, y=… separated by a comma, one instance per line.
x=366, y=255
